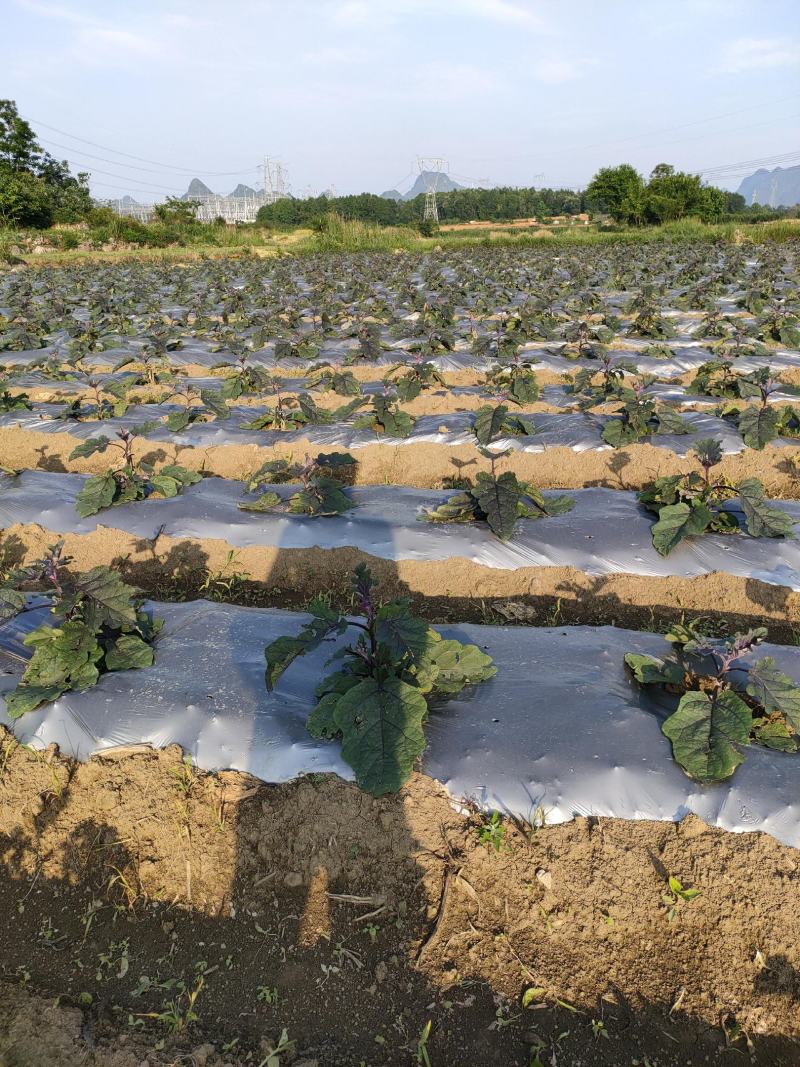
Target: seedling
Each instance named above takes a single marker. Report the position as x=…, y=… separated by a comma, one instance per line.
x=677, y=895
x=492, y=832
x=101, y=627
x=723, y=704
x=130, y=481
x=378, y=701
x=688, y=505
x=386, y=418
x=321, y=494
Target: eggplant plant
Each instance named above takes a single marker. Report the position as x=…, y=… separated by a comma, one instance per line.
x=292, y=413
x=322, y=492
x=639, y=416
x=493, y=422
x=386, y=418
x=689, y=505
x=211, y=405
x=98, y=626
x=763, y=422
x=409, y=381
x=498, y=500
x=724, y=703
x=378, y=700
x=130, y=480
x=515, y=383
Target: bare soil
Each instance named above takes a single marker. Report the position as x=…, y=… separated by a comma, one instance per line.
x=178, y=569
x=423, y=465
x=351, y=922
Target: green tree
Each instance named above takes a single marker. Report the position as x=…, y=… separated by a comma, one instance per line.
x=19, y=149
x=177, y=212
x=617, y=191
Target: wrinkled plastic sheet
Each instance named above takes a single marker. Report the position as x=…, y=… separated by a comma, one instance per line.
x=561, y=728
x=607, y=532
x=576, y=430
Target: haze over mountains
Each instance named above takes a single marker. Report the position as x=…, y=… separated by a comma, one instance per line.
x=772, y=188
x=776, y=188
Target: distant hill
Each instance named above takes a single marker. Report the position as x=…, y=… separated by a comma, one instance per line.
x=772, y=188
x=196, y=188
x=442, y=183
x=242, y=190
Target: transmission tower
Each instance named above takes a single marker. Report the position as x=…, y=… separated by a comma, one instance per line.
x=274, y=179
x=430, y=170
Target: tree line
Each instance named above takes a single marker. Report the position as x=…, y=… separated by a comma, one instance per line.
x=36, y=189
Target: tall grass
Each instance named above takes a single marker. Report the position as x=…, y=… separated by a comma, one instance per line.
x=353, y=235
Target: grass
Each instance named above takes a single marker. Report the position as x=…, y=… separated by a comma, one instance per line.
x=201, y=241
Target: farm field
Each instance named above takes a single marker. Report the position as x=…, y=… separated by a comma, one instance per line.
x=539, y=807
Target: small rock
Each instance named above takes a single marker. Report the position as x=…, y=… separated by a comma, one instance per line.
x=293, y=879
x=381, y=972
x=545, y=877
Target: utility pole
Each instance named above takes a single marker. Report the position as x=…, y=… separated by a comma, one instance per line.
x=431, y=169
x=274, y=179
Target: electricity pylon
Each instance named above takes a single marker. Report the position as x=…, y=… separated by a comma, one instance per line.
x=430, y=169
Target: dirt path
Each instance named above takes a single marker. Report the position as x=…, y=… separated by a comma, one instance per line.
x=133, y=881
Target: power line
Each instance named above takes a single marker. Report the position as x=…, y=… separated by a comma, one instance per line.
x=114, y=162
x=142, y=159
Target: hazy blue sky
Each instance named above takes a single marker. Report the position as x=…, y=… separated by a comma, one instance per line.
x=351, y=91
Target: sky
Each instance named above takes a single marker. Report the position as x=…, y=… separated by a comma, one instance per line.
x=349, y=93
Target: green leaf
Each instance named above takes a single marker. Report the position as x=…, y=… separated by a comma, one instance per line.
x=323, y=497
x=451, y=665
x=775, y=734
x=96, y=493
x=651, y=671
x=762, y=518
x=11, y=603
x=166, y=486
x=215, y=404
x=676, y=521
x=109, y=599
x=458, y=508
x=181, y=474
x=29, y=697
x=774, y=691
x=758, y=426
x=129, y=651
x=400, y=631
x=266, y=502
x=285, y=650
x=671, y=422
x=704, y=730
x=89, y=447
x=382, y=736
x=179, y=420
x=498, y=498
x=489, y=422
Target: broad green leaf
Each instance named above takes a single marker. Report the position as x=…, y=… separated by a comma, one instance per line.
x=401, y=631
x=498, y=498
x=671, y=422
x=774, y=691
x=758, y=426
x=489, y=422
x=11, y=603
x=215, y=404
x=266, y=502
x=324, y=497
x=382, y=735
x=704, y=731
x=29, y=697
x=164, y=485
x=181, y=474
x=676, y=521
x=129, y=651
x=89, y=447
x=762, y=518
x=458, y=508
x=455, y=665
x=775, y=734
x=285, y=650
x=179, y=420
x=652, y=671
x=97, y=492
x=109, y=599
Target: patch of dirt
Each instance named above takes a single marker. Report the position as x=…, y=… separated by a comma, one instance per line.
x=175, y=568
x=424, y=466
x=349, y=922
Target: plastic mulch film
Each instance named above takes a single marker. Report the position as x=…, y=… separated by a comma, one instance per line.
x=576, y=430
x=560, y=730
x=607, y=532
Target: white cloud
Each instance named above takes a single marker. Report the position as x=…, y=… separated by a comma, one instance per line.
x=754, y=53
x=370, y=12
x=559, y=71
